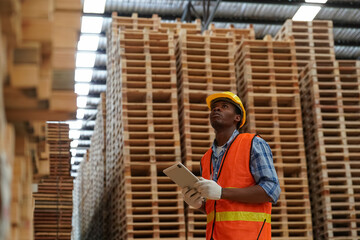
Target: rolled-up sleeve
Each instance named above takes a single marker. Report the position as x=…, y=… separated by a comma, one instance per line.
x=263, y=170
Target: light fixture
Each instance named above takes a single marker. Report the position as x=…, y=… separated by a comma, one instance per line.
x=76, y=159
x=94, y=6
x=306, y=13
x=81, y=101
x=77, y=124
x=316, y=1
x=83, y=74
x=74, y=134
x=80, y=113
x=74, y=143
x=82, y=88
x=88, y=42
x=91, y=24
x=85, y=59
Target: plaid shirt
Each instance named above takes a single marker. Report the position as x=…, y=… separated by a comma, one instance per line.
x=261, y=165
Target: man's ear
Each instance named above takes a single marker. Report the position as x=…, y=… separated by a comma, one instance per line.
x=238, y=117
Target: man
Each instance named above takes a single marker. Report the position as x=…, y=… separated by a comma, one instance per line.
x=238, y=181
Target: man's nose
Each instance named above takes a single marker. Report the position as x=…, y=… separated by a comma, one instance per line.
x=216, y=108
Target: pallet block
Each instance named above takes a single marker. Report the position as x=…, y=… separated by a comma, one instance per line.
x=37, y=9
x=24, y=75
x=63, y=58
x=63, y=101
x=68, y=5
x=39, y=30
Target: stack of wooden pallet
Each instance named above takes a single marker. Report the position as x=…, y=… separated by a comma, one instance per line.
x=53, y=200
x=267, y=83
x=205, y=64
x=40, y=39
x=142, y=134
x=314, y=41
x=330, y=99
x=21, y=199
x=89, y=188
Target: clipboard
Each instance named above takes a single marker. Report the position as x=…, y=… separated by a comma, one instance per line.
x=181, y=175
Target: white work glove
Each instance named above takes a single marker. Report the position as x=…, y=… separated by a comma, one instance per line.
x=209, y=189
x=192, y=197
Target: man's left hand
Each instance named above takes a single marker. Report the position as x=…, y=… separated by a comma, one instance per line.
x=208, y=189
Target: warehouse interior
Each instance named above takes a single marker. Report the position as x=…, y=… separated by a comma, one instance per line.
x=98, y=97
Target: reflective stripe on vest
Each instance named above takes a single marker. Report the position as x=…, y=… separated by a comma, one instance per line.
x=239, y=216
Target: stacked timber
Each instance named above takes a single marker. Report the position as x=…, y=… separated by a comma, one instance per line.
x=314, y=41
x=53, y=200
x=330, y=99
x=236, y=33
x=142, y=135
x=90, y=198
x=205, y=64
x=40, y=39
x=267, y=83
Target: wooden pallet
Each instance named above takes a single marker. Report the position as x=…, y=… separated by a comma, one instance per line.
x=314, y=41
x=331, y=104
x=268, y=86
x=53, y=200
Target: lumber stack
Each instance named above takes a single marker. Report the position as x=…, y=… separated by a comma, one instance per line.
x=331, y=106
x=314, y=41
x=89, y=188
x=53, y=200
x=40, y=38
x=205, y=64
x=142, y=135
x=267, y=83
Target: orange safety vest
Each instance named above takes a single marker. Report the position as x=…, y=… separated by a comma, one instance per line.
x=235, y=220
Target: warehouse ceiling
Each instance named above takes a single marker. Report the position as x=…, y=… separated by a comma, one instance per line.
x=266, y=16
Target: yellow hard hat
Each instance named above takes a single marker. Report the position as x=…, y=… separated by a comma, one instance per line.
x=233, y=98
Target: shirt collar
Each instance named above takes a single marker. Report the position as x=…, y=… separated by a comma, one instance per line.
x=214, y=145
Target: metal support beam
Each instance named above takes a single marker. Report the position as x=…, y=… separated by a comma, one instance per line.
x=211, y=17
x=186, y=12
x=332, y=4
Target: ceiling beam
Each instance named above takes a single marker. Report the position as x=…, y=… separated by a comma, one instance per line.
x=333, y=4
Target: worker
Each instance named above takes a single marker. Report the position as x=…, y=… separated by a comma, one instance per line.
x=239, y=183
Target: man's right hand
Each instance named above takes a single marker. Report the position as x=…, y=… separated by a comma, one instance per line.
x=192, y=197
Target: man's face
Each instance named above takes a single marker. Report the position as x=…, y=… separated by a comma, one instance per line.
x=223, y=115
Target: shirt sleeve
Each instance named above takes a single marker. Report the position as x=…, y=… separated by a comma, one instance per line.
x=263, y=170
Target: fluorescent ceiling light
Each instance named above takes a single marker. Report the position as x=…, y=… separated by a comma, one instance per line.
x=94, y=6
x=75, y=167
x=316, y=1
x=73, y=152
x=91, y=24
x=74, y=134
x=88, y=42
x=83, y=75
x=306, y=13
x=81, y=101
x=77, y=124
x=76, y=159
x=80, y=113
x=85, y=59
x=82, y=88
x=74, y=143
